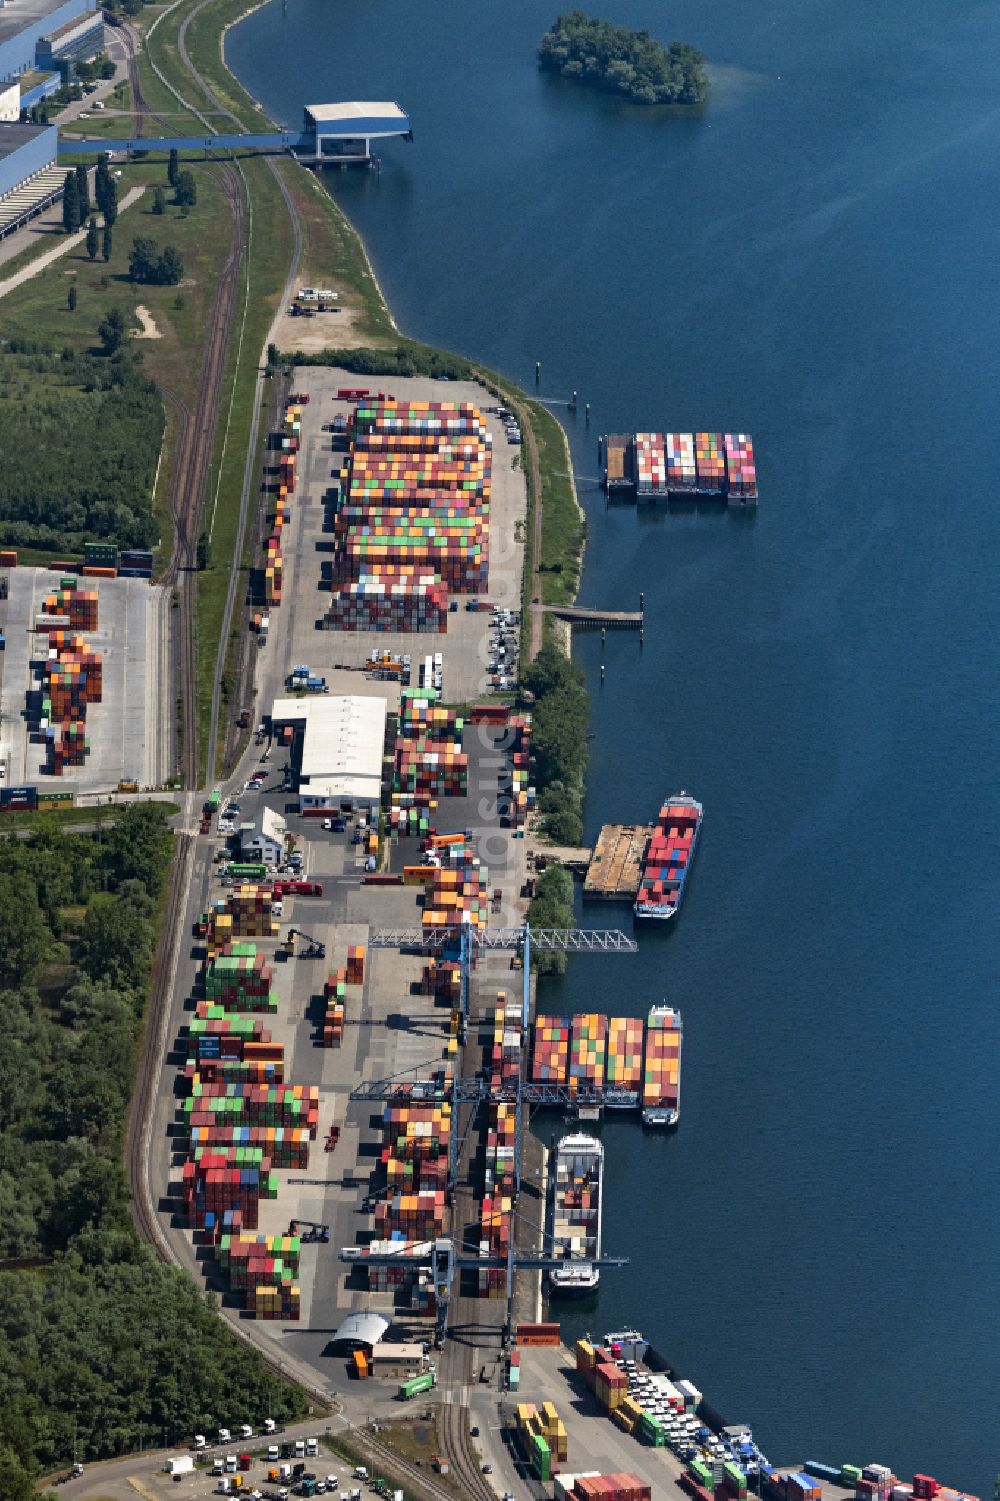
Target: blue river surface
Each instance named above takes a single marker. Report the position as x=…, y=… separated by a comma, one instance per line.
x=812, y=259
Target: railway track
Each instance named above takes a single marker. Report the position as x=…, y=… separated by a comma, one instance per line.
x=154, y=1044
x=244, y=665
x=457, y=1445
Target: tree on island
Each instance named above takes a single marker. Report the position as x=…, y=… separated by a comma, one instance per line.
x=623, y=61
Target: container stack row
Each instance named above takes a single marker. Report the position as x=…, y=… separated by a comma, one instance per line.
x=282, y=1146
x=430, y=769
x=442, y=978
x=265, y=1269
x=239, y=978
x=100, y=560
x=244, y=1124
x=413, y=521
x=504, y=1058
x=597, y=1487
x=334, y=1008
x=405, y=1270
x=71, y=675
x=70, y=606
x=393, y=599
x=458, y=895
x=238, y=1103
x=522, y=795
x=217, y=1035
x=245, y=912
x=541, y=1434
x=422, y=720
x=415, y=1216
x=415, y=1147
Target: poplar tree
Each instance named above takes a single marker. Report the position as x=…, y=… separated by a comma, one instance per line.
x=71, y=204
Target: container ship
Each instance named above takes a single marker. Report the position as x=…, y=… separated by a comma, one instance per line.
x=574, y=1229
x=668, y=858
x=661, y=1076
x=679, y=466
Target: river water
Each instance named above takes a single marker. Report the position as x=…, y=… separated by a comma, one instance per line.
x=811, y=260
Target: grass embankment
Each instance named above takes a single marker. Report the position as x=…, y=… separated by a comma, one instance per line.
x=48, y=819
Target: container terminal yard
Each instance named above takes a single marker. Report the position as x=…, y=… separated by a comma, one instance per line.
x=352, y=1054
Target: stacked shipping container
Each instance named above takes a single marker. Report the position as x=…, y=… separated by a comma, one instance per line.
x=740, y=467
x=587, y=1049
x=624, y=1057
x=414, y=522
x=650, y=464
x=550, y=1053
x=682, y=473
x=335, y=1006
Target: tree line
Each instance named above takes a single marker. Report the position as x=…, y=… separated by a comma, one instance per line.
x=101, y=1347
x=624, y=62
x=559, y=709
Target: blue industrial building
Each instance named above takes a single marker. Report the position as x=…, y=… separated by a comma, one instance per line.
x=26, y=24
x=25, y=150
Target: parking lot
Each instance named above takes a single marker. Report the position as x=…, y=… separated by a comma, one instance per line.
x=549, y=1375
x=468, y=646
x=129, y=731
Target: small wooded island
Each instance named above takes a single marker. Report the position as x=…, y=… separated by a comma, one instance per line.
x=623, y=61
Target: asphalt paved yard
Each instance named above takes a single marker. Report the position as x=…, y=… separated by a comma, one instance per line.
x=127, y=728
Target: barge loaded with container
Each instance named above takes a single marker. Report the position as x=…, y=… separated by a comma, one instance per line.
x=574, y=1213
x=679, y=466
x=661, y=1077
x=668, y=858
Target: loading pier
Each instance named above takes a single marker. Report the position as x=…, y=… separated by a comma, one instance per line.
x=584, y=618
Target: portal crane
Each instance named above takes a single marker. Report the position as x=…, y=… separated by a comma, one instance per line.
x=466, y=942
x=441, y=1257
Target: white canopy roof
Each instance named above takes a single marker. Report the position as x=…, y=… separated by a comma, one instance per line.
x=361, y=1329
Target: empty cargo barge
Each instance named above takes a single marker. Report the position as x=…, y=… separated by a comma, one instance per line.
x=679, y=466
x=615, y=865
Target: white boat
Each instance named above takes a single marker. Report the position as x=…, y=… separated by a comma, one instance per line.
x=575, y=1208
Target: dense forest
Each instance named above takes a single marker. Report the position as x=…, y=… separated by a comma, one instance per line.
x=100, y=1345
x=623, y=61
x=80, y=438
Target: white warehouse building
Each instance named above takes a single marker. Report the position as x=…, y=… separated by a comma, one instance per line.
x=341, y=742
